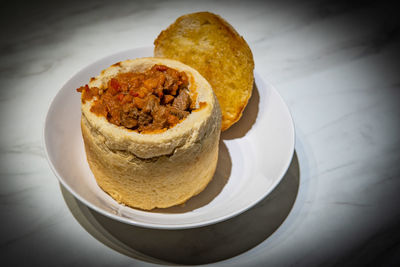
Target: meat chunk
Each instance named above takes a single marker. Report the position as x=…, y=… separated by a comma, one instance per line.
x=178, y=113
x=160, y=115
x=182, y=101
x=171, y=84
x=130, y=117
x=144, y=120
x=152, y=102
x=128, y=122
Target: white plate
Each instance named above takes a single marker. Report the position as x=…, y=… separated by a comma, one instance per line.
x=254, y=155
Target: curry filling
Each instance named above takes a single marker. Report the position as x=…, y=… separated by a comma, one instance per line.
x=153, y=100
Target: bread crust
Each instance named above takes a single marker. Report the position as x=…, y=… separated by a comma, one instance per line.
x=209, y=44
x=154, y=170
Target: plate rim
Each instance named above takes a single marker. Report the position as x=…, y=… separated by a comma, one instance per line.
x=165, y=226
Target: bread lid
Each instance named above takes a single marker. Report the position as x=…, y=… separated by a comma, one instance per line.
x=209, y=44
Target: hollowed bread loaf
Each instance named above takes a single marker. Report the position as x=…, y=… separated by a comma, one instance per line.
x=160, y=169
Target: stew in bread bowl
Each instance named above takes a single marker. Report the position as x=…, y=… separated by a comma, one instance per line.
x=151, y=128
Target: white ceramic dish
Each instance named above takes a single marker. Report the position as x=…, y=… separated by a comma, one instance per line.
x=254, y=155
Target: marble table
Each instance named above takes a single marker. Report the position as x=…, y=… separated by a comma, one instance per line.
x=335, y=64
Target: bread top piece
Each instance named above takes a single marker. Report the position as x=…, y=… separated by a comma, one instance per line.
x=209, y=44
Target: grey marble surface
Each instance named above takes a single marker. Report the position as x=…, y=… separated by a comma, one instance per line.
x=336, y=65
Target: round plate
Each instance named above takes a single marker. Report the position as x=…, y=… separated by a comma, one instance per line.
x=254, y=155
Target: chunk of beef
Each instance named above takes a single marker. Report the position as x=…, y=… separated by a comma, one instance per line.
x=171, y=81
x=152, y=102
x=128, y=122
x=144, y=120
x=178, y=113
x=182, y=101
x=130, y=116
x=160, y=115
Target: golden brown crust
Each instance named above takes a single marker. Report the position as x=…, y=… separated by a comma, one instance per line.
x=163, y=169
x=211, y=45
x=159, y=182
